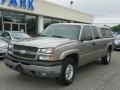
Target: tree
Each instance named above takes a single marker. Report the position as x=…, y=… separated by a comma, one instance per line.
x=116, y=28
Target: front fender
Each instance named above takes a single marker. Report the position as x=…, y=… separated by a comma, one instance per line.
x=69, y=52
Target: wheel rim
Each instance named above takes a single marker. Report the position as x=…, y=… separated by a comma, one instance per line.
x=108, y=57
x=69, y=72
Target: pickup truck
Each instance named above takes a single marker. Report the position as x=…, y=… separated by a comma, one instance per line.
x=60, y=50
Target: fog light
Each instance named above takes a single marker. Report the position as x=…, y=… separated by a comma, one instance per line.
x=44, y=57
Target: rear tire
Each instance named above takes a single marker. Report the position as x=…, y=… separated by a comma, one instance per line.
x=107, y=59
x=68, y=72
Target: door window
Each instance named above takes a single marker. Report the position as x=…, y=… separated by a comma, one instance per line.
x=86, y=34
x=95, y=32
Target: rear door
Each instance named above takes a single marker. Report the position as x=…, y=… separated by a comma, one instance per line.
x=98, y=43
x=107, y=38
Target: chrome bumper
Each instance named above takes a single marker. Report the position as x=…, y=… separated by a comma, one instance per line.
x=42, y=71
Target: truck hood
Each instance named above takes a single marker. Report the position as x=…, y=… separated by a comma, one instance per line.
x=45, y=42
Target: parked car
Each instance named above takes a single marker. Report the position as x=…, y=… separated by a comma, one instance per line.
x=61, y=49
x=3, y=48
x=9, y=37
x=117, y=42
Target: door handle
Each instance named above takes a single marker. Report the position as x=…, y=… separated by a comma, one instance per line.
x=94, y=43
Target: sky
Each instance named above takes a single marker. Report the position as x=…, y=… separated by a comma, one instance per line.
x=104, y=11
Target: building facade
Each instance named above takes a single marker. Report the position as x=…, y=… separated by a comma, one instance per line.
x=33, y=16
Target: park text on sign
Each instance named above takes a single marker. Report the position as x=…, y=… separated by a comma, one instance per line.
x=26, y=4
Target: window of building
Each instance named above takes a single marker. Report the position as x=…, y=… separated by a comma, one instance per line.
x=86, y=33
x=65, y=21
x=57, y=21
x=15, y=27
x=7, y=26
x=47, y=22
x=95, y=32
x=31, y=22
x=0, y=21
x=9, y=16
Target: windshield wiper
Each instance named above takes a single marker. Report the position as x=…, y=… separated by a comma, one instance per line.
x=57, y=36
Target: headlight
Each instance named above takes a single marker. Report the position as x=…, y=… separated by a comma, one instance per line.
x=46, y=54
x=46, y=57
x=47, y=50
x=10, y=47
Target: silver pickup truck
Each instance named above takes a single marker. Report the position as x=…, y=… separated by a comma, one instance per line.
x=60, y=49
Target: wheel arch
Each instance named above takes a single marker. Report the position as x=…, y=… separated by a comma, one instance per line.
x=72, y=54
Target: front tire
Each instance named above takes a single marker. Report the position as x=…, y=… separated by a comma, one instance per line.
x=107, y=59
x=68, y=72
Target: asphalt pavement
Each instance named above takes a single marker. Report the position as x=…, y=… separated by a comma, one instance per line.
x=93, y=76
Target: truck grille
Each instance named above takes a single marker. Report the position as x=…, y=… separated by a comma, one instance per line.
x=25, y=52
x=27, y=48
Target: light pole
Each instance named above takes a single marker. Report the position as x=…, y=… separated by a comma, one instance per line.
x=71, y=3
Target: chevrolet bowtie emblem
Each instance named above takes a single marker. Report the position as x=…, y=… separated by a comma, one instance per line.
x=22, y=51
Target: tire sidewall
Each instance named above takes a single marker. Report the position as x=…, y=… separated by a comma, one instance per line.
x=108, y=55
x=66, y=62
x=105, y=60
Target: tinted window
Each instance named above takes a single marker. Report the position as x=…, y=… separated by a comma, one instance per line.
x=63, y=31
x=95, y=32
x=86, y=33
x=106, y=32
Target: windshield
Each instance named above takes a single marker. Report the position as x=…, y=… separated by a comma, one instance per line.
x=117, y=37
x=19, y=35
x=62, y=31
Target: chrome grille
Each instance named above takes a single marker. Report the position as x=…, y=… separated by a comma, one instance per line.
x=25, y=52
x=27, y=48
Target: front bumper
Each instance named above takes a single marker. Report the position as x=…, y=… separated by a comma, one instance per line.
x=35, y=70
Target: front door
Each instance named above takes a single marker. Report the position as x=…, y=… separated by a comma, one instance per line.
x=86, y=45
